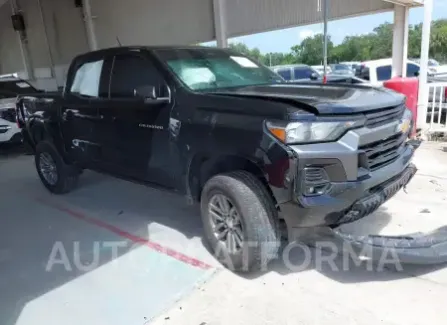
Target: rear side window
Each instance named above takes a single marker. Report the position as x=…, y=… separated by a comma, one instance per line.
x=87, y=78
x=285, y=73
x=130, y=72
x=384, y=73
x=302, y=73
x=412, y=70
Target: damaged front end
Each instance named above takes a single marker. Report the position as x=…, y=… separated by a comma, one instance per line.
x=415, y=248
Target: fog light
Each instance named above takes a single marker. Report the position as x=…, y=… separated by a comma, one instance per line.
x=315, y=181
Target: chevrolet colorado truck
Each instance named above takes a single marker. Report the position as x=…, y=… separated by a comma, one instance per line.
x=227, y=132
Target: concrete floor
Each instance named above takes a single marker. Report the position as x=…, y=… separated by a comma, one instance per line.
x=56, y=263
x=163, y=274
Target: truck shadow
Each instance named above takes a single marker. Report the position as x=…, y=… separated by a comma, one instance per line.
x=11, y=150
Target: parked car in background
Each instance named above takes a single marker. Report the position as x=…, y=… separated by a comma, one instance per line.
x=320, y=69
x=10, y=88
x=301, y=73
x=342, y=69
x=434, y=66
x=296, y=72
x=353, y=64
x=378, y=71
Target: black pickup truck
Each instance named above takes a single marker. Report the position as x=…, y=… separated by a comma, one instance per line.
x=227, y=132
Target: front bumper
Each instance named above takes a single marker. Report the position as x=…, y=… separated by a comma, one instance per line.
x=354, y=191
x=351, y=200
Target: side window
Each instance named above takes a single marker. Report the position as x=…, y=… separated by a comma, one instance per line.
x=87, y=78
x=285, y=73
x=412, y=70
x=131, y=72
x=384, y=73
x=302, y=73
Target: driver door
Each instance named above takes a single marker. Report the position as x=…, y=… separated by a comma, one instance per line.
x=135, y=133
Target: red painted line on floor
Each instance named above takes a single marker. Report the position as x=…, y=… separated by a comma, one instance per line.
x=138, y=240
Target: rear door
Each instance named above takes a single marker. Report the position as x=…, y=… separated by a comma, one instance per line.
x=79, y=109
x=134, y=133
x=286, y=73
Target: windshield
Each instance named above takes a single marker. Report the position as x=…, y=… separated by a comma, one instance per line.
x=14, y=88
x=209, y=69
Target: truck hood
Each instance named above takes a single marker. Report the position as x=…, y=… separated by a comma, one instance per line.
x=323, y=99
x=7, y=103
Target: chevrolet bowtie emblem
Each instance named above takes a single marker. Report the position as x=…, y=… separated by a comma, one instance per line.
x=404, y=126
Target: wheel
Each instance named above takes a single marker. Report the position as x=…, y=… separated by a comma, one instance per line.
x=55, y=174
x=240, y=221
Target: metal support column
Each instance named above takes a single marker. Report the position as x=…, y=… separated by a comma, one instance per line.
x=425, y=47
x=89, y=25
x=400, y=41
x=47, y=42
x=325, y=19
x=220, y=22
x=23, y=42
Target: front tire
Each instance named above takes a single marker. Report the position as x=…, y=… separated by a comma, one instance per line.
x=240, y=221
x=57, y=176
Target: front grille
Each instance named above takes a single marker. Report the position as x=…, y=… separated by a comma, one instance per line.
x=381, y=153
x=384, y=116
x=8, y=115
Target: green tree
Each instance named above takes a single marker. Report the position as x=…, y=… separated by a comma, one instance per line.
x=375, y=45
x=310, y=51
x=251, y=53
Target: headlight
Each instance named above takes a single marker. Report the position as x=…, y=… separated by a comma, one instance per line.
x=406, y=123
x=311, y=131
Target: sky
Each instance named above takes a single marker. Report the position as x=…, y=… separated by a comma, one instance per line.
x=283, y=40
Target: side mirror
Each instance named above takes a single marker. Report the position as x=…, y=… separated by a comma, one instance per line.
x=314, y=76
x=416, y=74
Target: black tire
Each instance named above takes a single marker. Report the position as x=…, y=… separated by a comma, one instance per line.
x=258, y=215
x=67, y=175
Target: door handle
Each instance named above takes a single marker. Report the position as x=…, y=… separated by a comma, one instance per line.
x=69, y=114
x=109, y=118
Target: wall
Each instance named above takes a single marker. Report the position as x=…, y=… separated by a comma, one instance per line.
x=66, y=38
x=10, y=57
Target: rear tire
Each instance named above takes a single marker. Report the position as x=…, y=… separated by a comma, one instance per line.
x=57, y=176
x=258, y=216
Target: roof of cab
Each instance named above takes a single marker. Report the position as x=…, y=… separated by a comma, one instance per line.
x=153, y=48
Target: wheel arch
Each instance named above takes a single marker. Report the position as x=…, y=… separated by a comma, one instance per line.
x=203, y=166
x=40, y=130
